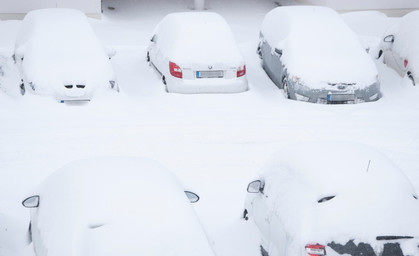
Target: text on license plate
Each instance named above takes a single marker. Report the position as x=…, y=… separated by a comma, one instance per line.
x=210, y=74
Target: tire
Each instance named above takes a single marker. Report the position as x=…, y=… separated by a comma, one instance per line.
x=163, y=79
x=263, y=252
x=410, y=76
x=22, y=89
x=285, y=88
x=245, y=214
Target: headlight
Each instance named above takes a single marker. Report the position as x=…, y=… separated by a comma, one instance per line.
x=301, y=97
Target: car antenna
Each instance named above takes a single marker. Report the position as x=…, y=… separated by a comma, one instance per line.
x=368, y=167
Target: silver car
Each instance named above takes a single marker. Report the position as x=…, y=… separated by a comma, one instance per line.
x=312, y=55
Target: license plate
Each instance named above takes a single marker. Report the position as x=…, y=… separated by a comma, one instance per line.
x=340, y=97
x=210, y=74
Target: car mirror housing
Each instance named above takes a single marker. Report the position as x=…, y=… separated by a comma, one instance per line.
x=193, y=198
x=255, y=186
x=389, y=39
x=278, y=51
x=31, y=202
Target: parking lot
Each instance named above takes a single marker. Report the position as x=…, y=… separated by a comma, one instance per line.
x=215, y=143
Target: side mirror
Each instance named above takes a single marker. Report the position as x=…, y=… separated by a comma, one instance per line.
x=31, y=202
x=154, y=38
x=389, y=39
x=255, y=187
x=110, y=51
x=193, y=198
x=278, y=51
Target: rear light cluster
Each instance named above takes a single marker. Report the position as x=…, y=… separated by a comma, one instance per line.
x=315, y=250
x=241, y=71
x=175, y=70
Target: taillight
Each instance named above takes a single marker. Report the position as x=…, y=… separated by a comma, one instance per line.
x=241, y=71
x=315, y=249
x=175, y=70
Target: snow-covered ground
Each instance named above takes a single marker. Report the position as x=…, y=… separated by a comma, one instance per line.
x=214, y=143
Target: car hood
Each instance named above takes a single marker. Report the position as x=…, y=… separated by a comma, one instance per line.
x=125, y=237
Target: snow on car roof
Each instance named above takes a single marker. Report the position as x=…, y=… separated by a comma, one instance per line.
x=118, y=205
x=406, y=39
x=59, y=46
x=318, y=46
x=372, y=197
x=197, y=37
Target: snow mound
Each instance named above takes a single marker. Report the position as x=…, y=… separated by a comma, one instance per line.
x=318, y=47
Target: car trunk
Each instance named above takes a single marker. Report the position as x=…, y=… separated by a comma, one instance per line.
x=382, y=246
x=209, y=71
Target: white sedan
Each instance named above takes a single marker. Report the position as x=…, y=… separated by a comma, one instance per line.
x=196, y=53
x=339, y=198
x=115, y=207
x=400, y=47
x=59, y=54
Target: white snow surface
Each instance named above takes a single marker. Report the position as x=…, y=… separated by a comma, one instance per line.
x=59, y=48
x=214, y=143
x=114, y=206
x=197, y=38
x=318, y=47
x=373, y=197
x=406, y=39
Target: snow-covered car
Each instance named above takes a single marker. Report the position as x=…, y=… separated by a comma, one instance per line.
x=195, y=52
x=400, y=46
x=113, y=207
x=340, y=198
x=59, y=54
x=312, y=55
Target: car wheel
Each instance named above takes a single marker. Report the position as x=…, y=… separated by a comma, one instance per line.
x=245, y=214
x=148, y=56
x=410, y=76
x=263, y=252
x=30, y=232
x=285, y=88
x=259, y=52
x=22, y=89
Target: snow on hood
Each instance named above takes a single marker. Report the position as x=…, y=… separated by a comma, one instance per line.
x=118, y=206
x=59, y=47
x=318, y=47
x=197, y=38
x=372, y=195
x=406, y=39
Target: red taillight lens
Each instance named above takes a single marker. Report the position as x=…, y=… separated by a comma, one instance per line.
x=241, y=71
x=175, y=70
x=315, y=249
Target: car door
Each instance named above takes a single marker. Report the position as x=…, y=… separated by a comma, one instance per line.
x=272, y=62
x=262, y=210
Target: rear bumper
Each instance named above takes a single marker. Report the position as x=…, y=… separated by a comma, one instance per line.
x=208, y=85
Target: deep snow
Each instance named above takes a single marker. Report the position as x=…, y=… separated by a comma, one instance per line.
x=215, y=143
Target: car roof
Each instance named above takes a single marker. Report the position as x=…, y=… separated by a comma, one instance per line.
x=60, y=47
x=197, y=37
